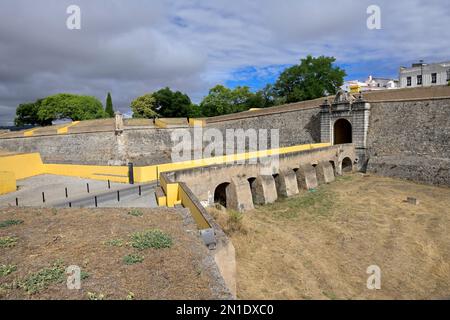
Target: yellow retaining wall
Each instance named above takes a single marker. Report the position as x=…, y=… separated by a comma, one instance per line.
x=7, y=182
x=113, y=173
x=22, y=165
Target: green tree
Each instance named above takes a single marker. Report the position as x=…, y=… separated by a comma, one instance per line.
x=195, y=111
x=144, y=106
x=222, y=100
x=172, y=104
x=311, y=79
x=27, y=113
x=109, y=106
x=75, y=107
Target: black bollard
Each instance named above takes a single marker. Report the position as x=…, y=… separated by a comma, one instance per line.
x=95, y=198
x=109, y=184
x=43, y=197
x=87, y=186
x=140, y=191
x=17, y=202
x=130, y=173
x=67, y=194
x=118, y=195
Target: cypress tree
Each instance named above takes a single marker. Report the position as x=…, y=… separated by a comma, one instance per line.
x=109, y=107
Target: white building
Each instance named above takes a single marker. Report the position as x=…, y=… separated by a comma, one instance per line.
x=425, y=75
x=371, y=84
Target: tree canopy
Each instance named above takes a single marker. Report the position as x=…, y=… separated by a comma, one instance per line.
x=222, y=100
x=144, y=106
x=172, y=104
x=27, y=113
x=70, y=106
x=311, y=79
x=59, y=106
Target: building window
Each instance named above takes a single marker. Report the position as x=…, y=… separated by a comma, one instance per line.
x=434, y=78
x=419, y=80
x=408, y=81
x=448, y=75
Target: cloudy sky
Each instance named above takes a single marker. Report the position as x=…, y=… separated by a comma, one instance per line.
x=131, y=47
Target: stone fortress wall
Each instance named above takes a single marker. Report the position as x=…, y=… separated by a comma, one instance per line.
x=407, y=137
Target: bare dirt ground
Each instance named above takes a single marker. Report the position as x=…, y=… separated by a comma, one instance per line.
x=80, y=237
x=318, y=245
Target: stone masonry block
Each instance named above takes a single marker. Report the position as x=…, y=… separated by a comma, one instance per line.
x=324, y=172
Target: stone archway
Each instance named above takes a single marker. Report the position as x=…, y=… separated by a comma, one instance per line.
x=347, y=165
x=220, y=194
x=342, y=132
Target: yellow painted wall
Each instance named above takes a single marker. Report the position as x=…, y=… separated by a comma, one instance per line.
x=161, y=124
x=196, y=122
x=65, y=129
x=22, y=165
x=196, y=213
x=113, y=173
x=29, y=133
x=7, y=182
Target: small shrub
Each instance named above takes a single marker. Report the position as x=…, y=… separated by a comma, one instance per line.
x=234, y=222
x=95, y=296
x=7, y=269
x=84, y=275
x=114, y=243
x=136, y=213
x=130, y=296
x=8, y=223
x=8, y=242
x=44, y=278
x=151, y=239
x=133, y=259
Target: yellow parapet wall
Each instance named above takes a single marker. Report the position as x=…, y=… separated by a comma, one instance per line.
x=160, y=124
x=7, y=182
x=22, y=165
x=65, y=129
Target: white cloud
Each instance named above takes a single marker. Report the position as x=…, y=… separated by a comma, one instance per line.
x=133, y=47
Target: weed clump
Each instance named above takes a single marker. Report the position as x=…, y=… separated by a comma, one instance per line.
x=136, y=213
x=8, y=242
x=8, y=223
x=44, y=278
x=114, y=243
x=151, y=239
x=7, y=269
x=132, y=259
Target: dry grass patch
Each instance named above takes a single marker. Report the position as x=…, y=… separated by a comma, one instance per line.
x=318, y=245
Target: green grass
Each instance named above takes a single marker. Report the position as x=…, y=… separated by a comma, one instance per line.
x=136, y=213
x=45, y=277
x=7, y=269
x=151, y=239
x=8, y=223
x=8, y=242
x=132, y=259
x=114, y=243
x=84, y=275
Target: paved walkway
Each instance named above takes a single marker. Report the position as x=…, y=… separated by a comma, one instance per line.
x=53, y=186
